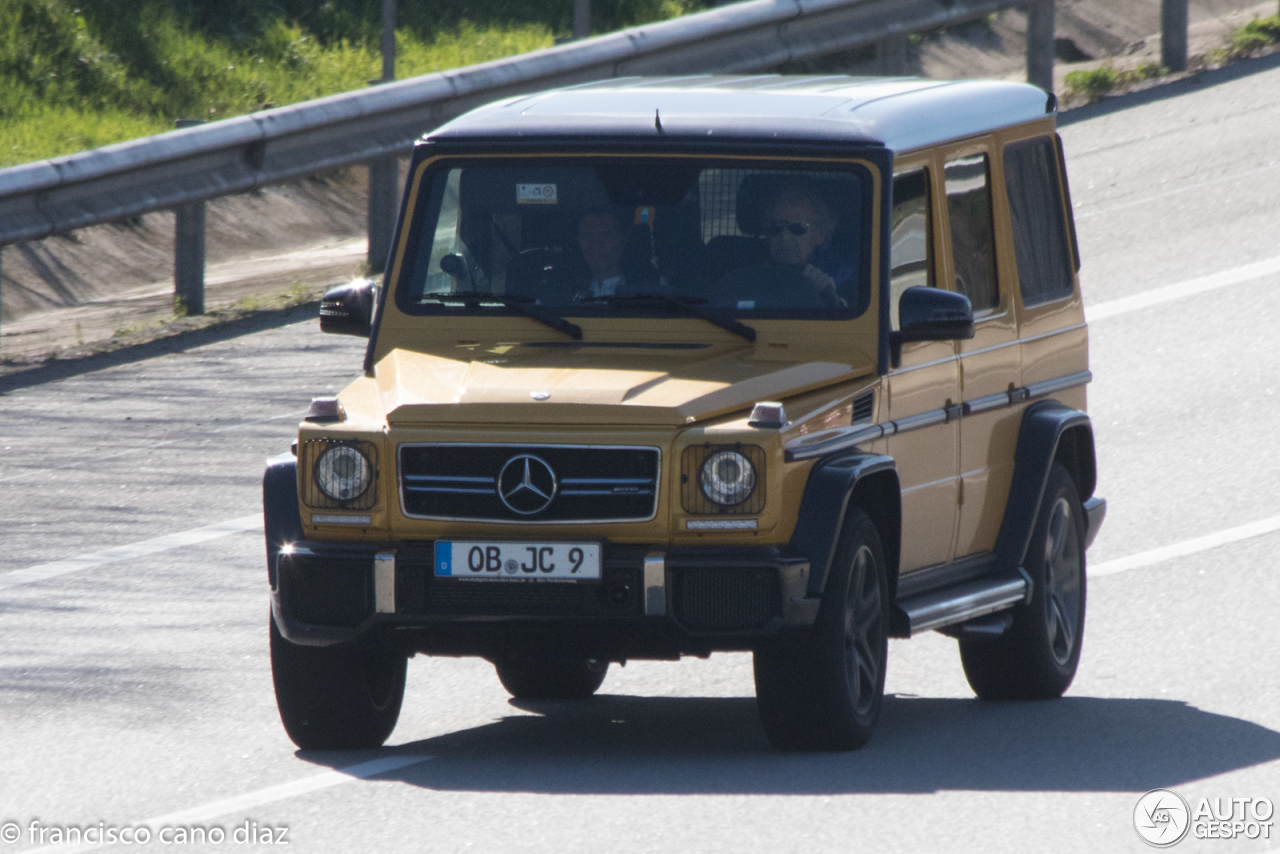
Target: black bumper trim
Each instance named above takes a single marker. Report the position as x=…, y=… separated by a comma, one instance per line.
x=793, y=610
x=1095, y=510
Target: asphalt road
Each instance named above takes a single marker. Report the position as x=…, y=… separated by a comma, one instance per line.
x=140, y=690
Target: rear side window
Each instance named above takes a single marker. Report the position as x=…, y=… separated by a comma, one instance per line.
x=1039, y=233
x=972, y=244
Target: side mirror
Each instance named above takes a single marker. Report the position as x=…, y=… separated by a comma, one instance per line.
x=455, y=266
x=348, y=309
x=930, y=314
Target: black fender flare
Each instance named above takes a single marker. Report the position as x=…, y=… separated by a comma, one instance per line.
x=1050, y=431
x=282, y=522
x=831, y=487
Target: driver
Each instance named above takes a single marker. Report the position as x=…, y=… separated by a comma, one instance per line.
x=798, y=225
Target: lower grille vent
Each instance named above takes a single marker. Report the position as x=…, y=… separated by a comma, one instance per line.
x=329, y=592
x=726, y=599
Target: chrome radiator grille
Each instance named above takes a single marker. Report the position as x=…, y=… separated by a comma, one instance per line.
x=529, y=483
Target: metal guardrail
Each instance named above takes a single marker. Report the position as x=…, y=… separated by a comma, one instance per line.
x=239, y=154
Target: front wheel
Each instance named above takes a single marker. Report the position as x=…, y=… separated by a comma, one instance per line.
x=346, y=696
x=552, y=679
x=1036, y=658
x=825, y=693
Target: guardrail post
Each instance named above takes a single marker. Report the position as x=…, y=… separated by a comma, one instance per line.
x=1173, y=34
x=892, y=55
x=1040, y=44
x=384, y=173
x=384, y=182
x=581, y=19
x=188, y=251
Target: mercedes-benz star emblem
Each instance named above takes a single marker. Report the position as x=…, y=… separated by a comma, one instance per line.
x=527, y=484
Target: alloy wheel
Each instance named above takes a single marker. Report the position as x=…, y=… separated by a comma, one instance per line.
x=1063, y=568
x=863, y=632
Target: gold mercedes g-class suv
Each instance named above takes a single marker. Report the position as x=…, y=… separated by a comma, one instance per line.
x=664, y=367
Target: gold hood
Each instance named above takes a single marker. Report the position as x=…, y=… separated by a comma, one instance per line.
x=667, y=385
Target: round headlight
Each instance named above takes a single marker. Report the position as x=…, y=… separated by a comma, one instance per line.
x=343, y=473
x=728, y=478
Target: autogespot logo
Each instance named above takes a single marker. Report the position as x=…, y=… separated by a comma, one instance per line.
x=527, y=484
x=1161, y=818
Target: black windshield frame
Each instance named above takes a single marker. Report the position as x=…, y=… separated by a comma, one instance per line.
x=431, y=189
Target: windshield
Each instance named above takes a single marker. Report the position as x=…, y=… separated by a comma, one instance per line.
x=633, y=237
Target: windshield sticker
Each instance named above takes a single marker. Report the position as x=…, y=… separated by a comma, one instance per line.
x=535, y=194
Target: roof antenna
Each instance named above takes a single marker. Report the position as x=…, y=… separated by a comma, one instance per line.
x=657, y=122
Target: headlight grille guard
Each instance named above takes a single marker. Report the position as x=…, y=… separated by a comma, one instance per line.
x=696, y=503
x=309, y=453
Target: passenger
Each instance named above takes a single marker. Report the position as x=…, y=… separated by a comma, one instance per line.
x=602, y=239
x=799, y=226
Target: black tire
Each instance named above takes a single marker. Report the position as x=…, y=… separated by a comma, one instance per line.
x=825, y=692
x=552, y=679
x=337, y=697
x=1036, y=658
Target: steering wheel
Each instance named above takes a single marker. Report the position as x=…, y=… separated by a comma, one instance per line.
x=542, y=271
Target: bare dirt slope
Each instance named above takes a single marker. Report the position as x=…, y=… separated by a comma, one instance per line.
x=65, y=293
x=1088, y=33
x=90, y=284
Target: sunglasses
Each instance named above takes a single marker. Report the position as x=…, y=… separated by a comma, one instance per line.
x=799, y=229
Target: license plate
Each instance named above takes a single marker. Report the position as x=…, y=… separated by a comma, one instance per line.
x=505, y=561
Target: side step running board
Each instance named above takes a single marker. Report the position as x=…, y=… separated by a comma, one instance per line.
x=960, y=602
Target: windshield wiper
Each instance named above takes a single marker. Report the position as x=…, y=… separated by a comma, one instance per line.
x=688, y=305
x=518, y=304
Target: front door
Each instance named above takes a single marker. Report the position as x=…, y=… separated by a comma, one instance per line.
x=925, y=382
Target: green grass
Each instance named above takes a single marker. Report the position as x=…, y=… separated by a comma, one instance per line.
x=77, y=75
x=1091, y=85
x=1254, y=36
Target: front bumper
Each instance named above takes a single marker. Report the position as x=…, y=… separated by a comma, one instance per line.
x=1095, y=510
x=648, y=603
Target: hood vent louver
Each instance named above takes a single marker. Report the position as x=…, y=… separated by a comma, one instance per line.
x=863, y=407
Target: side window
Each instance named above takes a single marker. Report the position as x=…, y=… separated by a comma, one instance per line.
x=972, y=244
x=910, y=264
x=1039, y=233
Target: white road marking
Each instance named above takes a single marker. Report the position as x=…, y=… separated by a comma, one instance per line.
x=1191, y=287
x=262, y=797
x=151, y=447
x=131, y=551
x=1146, y=200
x=1186, y=547
x=168, y=542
